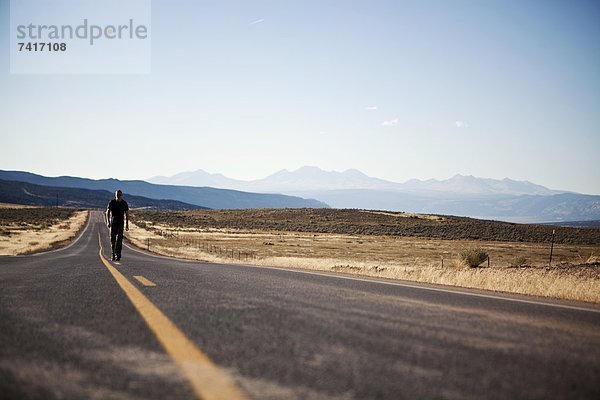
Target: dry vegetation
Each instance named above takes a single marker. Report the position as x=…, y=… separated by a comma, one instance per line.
x=8, y=205
x=391, y=245
x=364, y=222
x=26, y=230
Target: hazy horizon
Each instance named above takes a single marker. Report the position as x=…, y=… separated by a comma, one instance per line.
x=326, y=171
x=150, y=178
x=397, y=90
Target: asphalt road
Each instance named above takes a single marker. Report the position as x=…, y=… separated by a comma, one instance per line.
x=70, y=328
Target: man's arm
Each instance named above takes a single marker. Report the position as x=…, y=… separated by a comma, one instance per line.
x=107, y=216
x=127, y=220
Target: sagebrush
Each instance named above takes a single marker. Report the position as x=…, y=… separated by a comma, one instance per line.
x=473, y=256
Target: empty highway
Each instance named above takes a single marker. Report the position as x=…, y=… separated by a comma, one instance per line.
x=75, y=326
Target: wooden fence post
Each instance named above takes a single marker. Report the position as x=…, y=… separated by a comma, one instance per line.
x=551, y=247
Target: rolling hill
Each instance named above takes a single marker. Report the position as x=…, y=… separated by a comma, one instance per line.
x=37, y=195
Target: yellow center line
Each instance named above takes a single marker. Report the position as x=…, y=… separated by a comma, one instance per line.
x=208, y=381
x=144, y=281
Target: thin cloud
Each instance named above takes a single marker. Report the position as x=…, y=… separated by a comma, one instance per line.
x=258, y=21
x=461, y=124
x=372, y=108
x=391, y=122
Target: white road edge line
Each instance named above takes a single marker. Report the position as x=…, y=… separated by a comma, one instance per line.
x=384, y=282
x=435, y=289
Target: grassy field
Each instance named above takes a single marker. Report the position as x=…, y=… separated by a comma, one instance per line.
x=378, y=223
x=391, y=245
x=26, y=230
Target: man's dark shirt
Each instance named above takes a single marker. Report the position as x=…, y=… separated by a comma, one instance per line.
x=117, y=211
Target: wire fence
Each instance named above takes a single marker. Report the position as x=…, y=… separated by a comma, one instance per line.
x=205, y=247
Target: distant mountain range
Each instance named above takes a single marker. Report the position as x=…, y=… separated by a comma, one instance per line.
x=506, y=199
x=196, y=196
x=315, y=179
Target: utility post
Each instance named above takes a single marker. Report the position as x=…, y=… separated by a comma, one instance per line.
x=552, y=247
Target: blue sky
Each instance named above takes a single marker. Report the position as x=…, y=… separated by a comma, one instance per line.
x=398, y=90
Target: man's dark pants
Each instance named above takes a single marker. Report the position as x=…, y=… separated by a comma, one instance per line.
x=116, y=238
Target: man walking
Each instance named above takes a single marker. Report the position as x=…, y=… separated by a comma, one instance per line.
x=117, y=212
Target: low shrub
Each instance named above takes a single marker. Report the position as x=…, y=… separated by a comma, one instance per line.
x=473, y=256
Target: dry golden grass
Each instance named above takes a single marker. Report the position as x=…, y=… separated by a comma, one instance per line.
x=405, y=258
x=404, y=215
x=17, y=239
x=9, y=205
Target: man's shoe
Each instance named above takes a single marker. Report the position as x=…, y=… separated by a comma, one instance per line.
x=113, y=258
x=118, y=258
